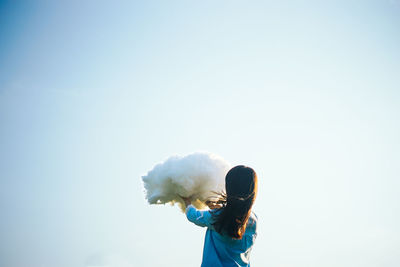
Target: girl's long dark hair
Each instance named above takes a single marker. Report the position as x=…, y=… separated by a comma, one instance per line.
x=241, y=190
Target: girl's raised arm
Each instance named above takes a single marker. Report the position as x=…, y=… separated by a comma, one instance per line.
x=201, y=218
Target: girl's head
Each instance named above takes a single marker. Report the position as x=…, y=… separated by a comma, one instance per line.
x=241, y=191
x=241, y=183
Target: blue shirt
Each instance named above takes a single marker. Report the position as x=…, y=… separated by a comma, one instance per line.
x=221, y=250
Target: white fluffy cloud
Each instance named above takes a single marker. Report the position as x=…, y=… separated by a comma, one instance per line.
x=196, y=175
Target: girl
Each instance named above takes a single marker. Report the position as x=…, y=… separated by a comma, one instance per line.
x=231, y=226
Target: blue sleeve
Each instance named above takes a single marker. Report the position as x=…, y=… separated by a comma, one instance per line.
x=201, y=218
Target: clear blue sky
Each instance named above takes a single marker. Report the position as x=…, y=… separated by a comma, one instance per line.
x=94, y=93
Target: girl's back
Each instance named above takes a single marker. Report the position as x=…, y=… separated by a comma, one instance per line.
x=232, y=228
x=220, y=249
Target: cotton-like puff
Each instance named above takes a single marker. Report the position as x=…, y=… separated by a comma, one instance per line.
x=196, y=175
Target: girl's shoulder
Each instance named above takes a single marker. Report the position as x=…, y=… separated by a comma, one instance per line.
x=253, y=215
x=252, y=222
